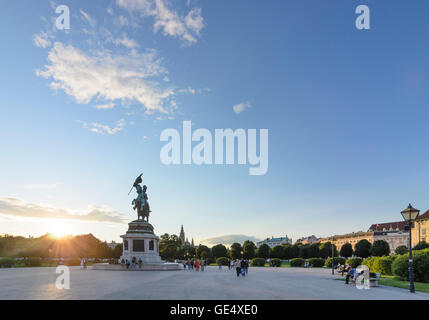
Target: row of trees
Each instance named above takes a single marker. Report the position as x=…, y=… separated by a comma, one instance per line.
x=47, y=246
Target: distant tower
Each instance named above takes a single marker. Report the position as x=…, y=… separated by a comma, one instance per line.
x=182, y=236
x=192, y=243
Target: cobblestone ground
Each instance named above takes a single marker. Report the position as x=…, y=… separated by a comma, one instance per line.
x=212, y=284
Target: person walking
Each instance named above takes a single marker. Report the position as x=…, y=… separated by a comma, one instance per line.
x=197, y=265
x=229, y=264
x=243, y=267
x=232, y=264
x=203, y=263
x=220, y=265
x=246, y=266
x=140, y=263
x=237, y=265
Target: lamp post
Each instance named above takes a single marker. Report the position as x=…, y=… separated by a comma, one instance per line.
x=332, y=245
x=410, y=214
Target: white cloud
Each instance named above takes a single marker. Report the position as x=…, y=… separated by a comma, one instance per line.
x=239, y=108
x=194, y=91
x=41, y=40
x=19, y=208
x=228, y=239
x=86, y=17
x=107, y=77
x=194, y=20
x=168, y=21
x=102, y=128
x=126, y=42
x=106, y=106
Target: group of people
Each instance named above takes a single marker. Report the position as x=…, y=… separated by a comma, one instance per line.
x=241, y=266
x=194, y=265
x=351, y=273
x=125, y=263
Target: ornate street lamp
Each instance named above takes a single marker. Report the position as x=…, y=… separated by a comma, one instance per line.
x=410, y=214
x=333, y=250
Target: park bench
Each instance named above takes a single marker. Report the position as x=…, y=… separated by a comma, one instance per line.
x=373, y=279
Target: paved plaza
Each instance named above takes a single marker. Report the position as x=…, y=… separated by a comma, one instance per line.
x=212, y=284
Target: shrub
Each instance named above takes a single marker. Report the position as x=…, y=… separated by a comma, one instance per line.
x=33, y=262
x=363, y=248
x=222, y=260
x=337, y=260
x=354, y=262
x=383, y=265
x=316, y=262
x=401, y=250
x=257, y=262
x=421, y=245
x=7, y=263
x=297, y=262
x=380, y=248
x=420, y=265
x=276, y=262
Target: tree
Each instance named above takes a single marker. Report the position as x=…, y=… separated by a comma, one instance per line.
x=421, y=245
x=117, y=251
x=314, y=251
x=363, y=249
x=277, y=252
x=346, y=250
x=288, y=252
x=203, y=251
x=304, y=251
x=249, y=250
x=295, y=248
x=263, y=251
x=401, y=250
x=326, y=250
x=169, y=252
x=219, y=251
x=235, y=251
x=380, y=248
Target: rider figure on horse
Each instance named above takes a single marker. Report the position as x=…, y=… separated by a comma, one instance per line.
x=140, y=203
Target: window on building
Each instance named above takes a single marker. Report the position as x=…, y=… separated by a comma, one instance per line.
x=125, y=244
x=151, y=245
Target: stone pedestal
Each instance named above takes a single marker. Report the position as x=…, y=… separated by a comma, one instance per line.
x=141, y=242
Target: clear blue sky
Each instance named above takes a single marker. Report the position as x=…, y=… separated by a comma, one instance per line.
x=347, y=114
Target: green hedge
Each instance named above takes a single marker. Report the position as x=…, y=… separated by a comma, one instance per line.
x=276, y=262
x=257, y=262
x=7, y=263
x=297, y=262
x=420, y=266
x=381, y=265
x=222, y=260
x=316, y=262
x=354, y=262
x=337, y=260
x=33, y=262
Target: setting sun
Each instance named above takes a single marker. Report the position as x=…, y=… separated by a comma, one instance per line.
x=59, y=229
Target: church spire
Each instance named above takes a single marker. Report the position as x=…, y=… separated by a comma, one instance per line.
x=182, y=235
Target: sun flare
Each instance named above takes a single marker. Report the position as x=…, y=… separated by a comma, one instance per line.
x=59, y=229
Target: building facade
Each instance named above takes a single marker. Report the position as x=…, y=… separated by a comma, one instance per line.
x=307, y=240
x=272, y=242
x=393, y=233
x=420, y=230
